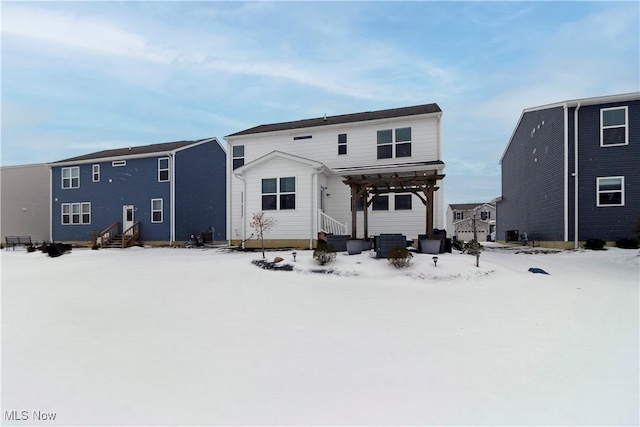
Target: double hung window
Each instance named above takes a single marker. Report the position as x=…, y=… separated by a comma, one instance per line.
x=403, y=202
x=76, y=213
x=95, y=170
x=163, y=169
x=394, y=143
x=278, y=193
x=610, y=191
x=238, y=156
x=613, y=126
x=342, y=143
x=71, y=177
x=156, y=210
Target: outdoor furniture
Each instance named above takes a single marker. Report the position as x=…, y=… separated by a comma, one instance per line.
x=13, y=241
x=338, y=241
x=386, y=242
x=437, y=235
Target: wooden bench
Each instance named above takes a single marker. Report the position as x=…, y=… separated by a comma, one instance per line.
x=13, y=241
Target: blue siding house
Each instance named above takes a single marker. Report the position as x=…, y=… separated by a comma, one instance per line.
x=156, y=194
x=571, y=172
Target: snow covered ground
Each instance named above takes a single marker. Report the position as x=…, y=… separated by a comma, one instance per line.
x=160, y=336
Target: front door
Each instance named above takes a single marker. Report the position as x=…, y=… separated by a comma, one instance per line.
x=127, y=217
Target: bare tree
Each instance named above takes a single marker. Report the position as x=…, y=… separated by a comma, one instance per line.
x=262, y=224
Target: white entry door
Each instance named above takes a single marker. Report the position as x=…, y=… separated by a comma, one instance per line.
x=127, y=217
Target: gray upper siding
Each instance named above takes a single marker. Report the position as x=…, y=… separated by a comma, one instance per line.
x=533, y=177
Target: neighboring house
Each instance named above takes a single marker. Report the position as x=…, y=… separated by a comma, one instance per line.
x=585, y=147
x=460, y=221
x=25, y=201
x=163, y=192
x=359, y=174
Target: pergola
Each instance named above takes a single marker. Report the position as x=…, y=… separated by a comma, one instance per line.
x=367, y=186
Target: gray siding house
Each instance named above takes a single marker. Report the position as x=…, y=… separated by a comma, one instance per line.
x=571, y=172
x=460, y=219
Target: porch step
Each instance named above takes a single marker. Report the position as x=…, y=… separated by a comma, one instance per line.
x=116, y=242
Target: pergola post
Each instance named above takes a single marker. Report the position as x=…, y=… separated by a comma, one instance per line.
x=354, y=213
x=365, y=196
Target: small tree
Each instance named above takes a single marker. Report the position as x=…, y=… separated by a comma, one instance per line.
x=262, y=224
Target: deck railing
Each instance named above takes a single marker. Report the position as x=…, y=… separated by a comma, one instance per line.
x=328, y=225
x=108, y=234
x=130, y=235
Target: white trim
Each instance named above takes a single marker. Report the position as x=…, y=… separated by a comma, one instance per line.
x=626, y=126
x=167, y=169
x=566, y=173
x=156, y=210
x=598, y=192
x=274, y=154
x=70, y=214
x=278, y=193
x=118, y=163
x=575, y=176
x=95, y=170
x=70, y=178
x=172, y=200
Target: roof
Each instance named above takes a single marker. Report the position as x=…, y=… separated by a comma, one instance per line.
x=137, y=151
x=341, y=119
x=469, y=206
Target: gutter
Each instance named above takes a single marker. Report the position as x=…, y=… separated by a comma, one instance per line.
x=575, y=176
x=242, y=211
x=172, y=201
x=566, y=173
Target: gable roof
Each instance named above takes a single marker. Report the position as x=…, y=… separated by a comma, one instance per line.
x=344, y=118
x=469, y=206
x=277, y=154
x=135, y=151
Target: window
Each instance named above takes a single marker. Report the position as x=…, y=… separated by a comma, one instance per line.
x=238, y=156
x=297, y=138
x=381, y=203
x=387, y=144
x=156, y=210
x=278, y=193
x=71, y=177
x=610, y=191
x=457, y=216
x=76, y=213
x=163, y=169
x=403, y=142
x=118, y=163
x=485, y=215
x=342, y=143
x=403, y=202
x=95, y=169
x=613, y=129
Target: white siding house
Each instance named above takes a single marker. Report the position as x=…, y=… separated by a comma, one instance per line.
x=296, y=173
x=460, y=221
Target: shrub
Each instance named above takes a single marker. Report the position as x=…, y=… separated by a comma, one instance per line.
x=627, y=243
x=594, y=244
x=324, y=253
x=458, y=245
x=400, y=257
x=473, y=247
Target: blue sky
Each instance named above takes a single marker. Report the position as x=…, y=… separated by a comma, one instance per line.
x=79, y=77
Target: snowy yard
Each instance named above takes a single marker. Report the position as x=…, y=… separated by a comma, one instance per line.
x=159, y=336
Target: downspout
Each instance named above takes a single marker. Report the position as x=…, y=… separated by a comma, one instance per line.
x=243, y=208
x=172, y=201
x=51, y=203
x=314, y=209
x=575, y=181
x=566, y=173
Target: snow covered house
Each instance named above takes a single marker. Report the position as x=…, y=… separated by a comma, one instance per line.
x=460, y=221
x=158, y=194
x=570, y=172
x=357, y=174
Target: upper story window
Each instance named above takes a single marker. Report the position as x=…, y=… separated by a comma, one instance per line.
x=613, y=126
x=76, y=213
x=163, y=169
x=238, y=156
x=278, y=193
x=485, y=215
x=95, y=171
x=118, y=163
x=403, y=202
x=380, y=203
x=457, y=216
x=392, y=141
x=342, y=143
x=71, y=177
x=299, y=137
x=610, y=191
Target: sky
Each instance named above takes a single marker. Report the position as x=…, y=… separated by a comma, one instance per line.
x=79, y=77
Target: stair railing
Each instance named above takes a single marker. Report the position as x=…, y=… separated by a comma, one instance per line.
x=130, y=235
x=328, y=225
x=107, y=235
